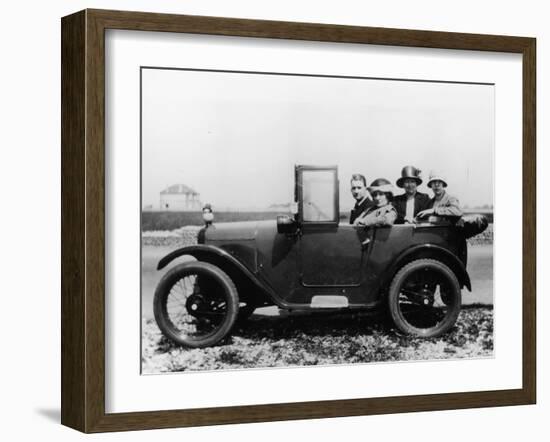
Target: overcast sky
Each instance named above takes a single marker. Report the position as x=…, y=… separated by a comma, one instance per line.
x=235, y=137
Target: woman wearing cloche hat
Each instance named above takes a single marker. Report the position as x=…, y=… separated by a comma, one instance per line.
x=383, y=213
x=442, y=204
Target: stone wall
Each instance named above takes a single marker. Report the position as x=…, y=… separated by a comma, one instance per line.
x=184, y=236
x=485, y=237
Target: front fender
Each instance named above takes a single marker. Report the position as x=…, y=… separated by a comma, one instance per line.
x=197, y=251
x=429, y=251
x=237, y=271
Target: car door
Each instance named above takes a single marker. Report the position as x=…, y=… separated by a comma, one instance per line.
x=329, y=254
x=332, y=256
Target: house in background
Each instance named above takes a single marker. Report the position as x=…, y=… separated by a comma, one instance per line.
x=179, y=197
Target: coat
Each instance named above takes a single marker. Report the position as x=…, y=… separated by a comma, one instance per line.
x=421, y=202
x=359, y=209
x=377, y=216
x=447, y=206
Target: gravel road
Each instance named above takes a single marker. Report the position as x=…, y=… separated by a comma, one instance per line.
x=266, y=341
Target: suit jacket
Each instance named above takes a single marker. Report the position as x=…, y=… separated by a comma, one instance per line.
x=359, y=209
x=421, y=202
x=448, y=205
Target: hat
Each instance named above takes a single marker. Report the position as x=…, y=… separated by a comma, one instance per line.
x=409, y=172
x=381, y=185
x=436, y=177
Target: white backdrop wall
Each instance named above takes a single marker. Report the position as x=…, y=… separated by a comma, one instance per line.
x=30, y=165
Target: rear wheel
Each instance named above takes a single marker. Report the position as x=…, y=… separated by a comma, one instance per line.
x=424, y=298
x=196, y=304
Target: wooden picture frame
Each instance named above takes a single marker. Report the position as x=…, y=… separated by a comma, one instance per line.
x=83, y=220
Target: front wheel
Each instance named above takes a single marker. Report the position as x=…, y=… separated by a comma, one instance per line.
x=424, y=298
x=196, y=304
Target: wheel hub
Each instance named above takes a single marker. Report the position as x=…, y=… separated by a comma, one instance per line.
x=195, y=303
x=427, y=298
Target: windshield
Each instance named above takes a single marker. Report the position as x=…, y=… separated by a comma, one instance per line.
x=318, y=195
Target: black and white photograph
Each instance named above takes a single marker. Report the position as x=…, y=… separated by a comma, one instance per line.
x=305, y=219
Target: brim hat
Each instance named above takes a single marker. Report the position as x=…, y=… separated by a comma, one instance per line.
x=436, y=177
x=381, y=185
x=409, y=173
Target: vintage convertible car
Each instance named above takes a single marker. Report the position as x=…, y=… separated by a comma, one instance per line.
x=310, y=262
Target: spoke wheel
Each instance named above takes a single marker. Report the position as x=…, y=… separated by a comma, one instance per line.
x=424, y=298
x=196, y=304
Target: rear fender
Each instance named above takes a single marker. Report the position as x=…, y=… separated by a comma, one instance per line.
x=245, y=280
x=432, y=252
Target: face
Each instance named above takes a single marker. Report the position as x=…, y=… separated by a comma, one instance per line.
x=358, y=190
x=437, y=187
x=410, y=186
x=380, y=198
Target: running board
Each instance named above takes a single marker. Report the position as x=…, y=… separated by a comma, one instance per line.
x=329, y=301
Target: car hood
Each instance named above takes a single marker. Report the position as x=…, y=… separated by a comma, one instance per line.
x=235, y=231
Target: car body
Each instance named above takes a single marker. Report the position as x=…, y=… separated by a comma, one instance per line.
x=313, y=261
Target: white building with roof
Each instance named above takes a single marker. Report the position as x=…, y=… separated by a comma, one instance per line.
x=181, y=198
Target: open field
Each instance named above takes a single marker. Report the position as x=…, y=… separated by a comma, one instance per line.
x=158, y=220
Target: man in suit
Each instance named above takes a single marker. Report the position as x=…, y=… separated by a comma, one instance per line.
x=362, y=197
x=411, y=202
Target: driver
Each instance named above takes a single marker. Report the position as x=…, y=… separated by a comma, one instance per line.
x=362, y=197
x=383, y=213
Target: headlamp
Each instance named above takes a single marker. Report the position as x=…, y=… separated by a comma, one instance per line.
x=207, y=214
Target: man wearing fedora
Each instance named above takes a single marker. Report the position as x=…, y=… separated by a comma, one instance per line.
x=411, y=202
x=442, y=204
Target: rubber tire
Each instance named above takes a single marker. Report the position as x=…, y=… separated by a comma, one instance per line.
x=393, y=299
x=166, y=284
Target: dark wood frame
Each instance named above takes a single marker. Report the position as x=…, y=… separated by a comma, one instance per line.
x=83, y=216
